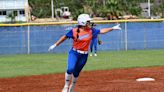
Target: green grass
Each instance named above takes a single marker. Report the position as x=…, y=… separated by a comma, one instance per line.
x=36, y=64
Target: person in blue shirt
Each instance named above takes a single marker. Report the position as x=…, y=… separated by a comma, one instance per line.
x=94, y=41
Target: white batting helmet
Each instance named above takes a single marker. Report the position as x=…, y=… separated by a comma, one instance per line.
x=82, y=19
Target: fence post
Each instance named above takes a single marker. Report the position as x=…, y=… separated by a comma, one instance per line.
x=145, y=37
x=126, y=36
x=28, y=39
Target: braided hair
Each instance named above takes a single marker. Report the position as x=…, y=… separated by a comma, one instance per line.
x=78, y=31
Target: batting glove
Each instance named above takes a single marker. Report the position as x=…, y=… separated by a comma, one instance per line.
x=117, y=27
x=52, y=47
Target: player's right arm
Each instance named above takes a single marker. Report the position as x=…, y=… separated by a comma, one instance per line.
x=61, y=39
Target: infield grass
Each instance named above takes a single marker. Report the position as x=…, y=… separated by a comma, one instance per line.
x=37, y=64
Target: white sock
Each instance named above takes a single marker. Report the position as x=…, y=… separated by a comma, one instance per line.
x=67, y=79
x=72, y=86
x=74, y=80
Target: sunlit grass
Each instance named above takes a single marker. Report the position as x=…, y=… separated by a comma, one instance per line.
x=36, y=64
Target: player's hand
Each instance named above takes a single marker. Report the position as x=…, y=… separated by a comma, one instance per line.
x=99, y=42
x=52, y=47
x=117, y=27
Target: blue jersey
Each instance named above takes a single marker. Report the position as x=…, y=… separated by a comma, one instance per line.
x=95, y=37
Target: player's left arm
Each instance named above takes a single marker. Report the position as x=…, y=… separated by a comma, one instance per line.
x=106, y=30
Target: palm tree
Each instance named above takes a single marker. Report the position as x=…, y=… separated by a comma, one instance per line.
x=41, y=8
x=110, y=8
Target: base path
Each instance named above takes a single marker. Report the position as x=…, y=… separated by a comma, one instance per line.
x=116, y=80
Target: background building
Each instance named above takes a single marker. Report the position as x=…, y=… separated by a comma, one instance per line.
x=14, y=10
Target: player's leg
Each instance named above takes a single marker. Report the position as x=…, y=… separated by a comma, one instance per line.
x=95, y=47
x=67, y=80
x=79, y=66
x=91, y=48
x=72, y=86
x=72, y=59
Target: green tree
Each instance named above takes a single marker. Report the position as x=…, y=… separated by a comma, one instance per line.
x=162, y=8
x=110, y=8
x=41, y=8
x=158, y=10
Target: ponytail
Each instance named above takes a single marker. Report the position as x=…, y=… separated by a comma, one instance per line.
x=78, y=31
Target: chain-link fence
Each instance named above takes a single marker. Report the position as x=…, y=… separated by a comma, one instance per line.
x=37, y=39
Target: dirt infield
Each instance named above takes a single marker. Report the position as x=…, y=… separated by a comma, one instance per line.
x=117, y=80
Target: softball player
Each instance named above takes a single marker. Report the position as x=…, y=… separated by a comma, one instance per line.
x=77, y=58
x=94, y=42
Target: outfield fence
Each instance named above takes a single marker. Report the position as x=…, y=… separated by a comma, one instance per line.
x=29, y=38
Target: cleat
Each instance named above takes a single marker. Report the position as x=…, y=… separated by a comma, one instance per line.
x=65, y=89
x=95, y=54
x=71, y=89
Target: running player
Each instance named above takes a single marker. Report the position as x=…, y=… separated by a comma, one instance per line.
x=77, y=58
